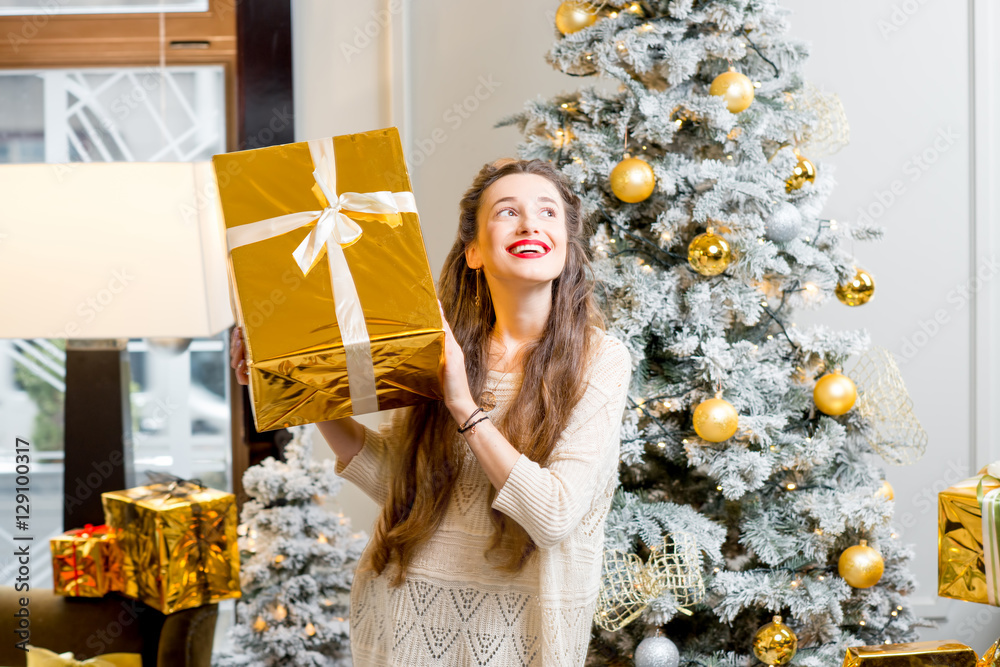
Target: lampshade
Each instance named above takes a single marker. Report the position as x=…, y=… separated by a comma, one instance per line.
x=111, y=250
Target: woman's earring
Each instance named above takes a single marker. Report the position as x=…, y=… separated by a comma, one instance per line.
x=478, y=302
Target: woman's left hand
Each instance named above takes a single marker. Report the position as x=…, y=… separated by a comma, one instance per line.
x=453, y=377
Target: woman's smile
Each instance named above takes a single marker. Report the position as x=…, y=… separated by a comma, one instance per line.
x=529, y=249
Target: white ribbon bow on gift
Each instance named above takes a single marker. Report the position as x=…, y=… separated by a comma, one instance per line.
x=332, y=232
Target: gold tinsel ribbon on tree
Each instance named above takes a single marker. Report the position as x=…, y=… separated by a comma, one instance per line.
x=628, y=585
x=895, y=433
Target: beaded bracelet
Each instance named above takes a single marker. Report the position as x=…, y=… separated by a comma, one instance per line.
x=472, y=427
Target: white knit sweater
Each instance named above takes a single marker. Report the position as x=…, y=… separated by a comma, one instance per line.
x=455, y=609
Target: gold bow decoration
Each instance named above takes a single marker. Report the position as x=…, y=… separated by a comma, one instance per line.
x=831, y=131
x=895, y=432
x=40, y=657
x=628, y=585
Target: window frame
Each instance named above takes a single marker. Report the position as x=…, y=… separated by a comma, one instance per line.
x=47, y=40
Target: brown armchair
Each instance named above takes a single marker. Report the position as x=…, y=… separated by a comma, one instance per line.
x=113, y=624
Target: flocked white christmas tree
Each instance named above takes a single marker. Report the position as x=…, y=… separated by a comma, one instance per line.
x=703, y=247
x=298, y=562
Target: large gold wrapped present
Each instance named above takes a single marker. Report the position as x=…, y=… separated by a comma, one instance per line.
x=968, y=540
x=178, y=543
x=333, y=288
x=917, y=654
x=86, y=562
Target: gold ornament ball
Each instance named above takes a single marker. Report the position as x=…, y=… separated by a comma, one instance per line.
x=775, y=643
x=834, y=394
x=886, y=491
x=709, y=254
x=574, y=15
x=715, y=420
x=857, y=291
x=804, y=171
x=632, y=180
x=861, y=566
x=735, y=88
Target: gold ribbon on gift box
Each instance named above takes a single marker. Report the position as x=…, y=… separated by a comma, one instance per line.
x=333, y=232
x=968, y=536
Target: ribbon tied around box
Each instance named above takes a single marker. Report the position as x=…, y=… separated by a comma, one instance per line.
x=334, y=231
x=989, y=501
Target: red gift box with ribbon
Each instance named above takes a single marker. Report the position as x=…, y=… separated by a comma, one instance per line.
x=86, y=562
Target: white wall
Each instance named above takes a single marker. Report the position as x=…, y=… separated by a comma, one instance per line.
x=904, y=70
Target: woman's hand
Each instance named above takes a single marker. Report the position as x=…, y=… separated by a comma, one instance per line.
x=238, y=356
x=454, y=380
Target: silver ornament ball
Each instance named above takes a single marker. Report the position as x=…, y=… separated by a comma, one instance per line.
x=656, y=652
x=784, y=224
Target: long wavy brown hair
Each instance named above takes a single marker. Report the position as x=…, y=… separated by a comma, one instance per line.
x=429, y=458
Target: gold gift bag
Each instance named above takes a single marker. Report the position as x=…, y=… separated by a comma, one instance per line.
x=333, y=288
x=178, y=543
x=968, y=541
x=917, y=654
x=86, y=562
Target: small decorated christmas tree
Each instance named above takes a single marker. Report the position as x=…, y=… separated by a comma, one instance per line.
x=298, y=562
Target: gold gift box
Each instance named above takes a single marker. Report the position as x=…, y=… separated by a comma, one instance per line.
x=916, y=654
x=296, y=355
x=961, y=564
x=86, y=563
x=178, y=544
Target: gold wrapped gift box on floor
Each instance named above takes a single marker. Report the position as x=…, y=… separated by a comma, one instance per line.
x=178, y=543
x=333, y=288
x=917, y=654
x=968, y=541
x=86, y=562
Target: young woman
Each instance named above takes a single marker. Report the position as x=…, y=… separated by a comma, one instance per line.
x=488, y=550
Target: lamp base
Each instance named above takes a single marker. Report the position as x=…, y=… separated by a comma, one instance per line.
x=98, y=433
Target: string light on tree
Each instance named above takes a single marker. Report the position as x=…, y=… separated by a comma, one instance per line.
x=715, y=420
x=857, y=291
x=632, y=180
x=709, y=254
x=803, y=172
x=861, y=566
x=575, y=15
x=835, y=394
x=775, y=643
x=735, y=88
x=886, y=491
